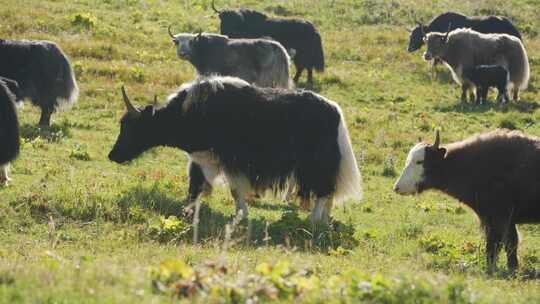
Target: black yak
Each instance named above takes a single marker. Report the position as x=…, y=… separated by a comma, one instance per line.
x=43, y=72
x=496, y=174
x=452, y=21
x=264, y=138
x=486, y=76
x=294, y=34
x=462, y=49
x=9, y=130
x=258, y=61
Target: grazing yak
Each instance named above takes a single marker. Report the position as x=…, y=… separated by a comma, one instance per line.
x=496, y=174
x=452, y=21
x=43, y=72
x=462, y=49
x=486, y=76
x=263, y=138
x=9, y=130
x=258, y=61
x=297, y=36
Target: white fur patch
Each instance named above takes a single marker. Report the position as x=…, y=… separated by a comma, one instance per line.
x=196, y=88
x=210, y=166
x=413, y=173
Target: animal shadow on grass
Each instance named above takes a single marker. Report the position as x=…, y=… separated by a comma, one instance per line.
x=290, y=231
x=52, y=133
x=468, y=107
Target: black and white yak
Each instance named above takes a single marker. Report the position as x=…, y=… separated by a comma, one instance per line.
x=263, y=139
x=9, y=130
x=43, y=72
x=496, y=174
x=262, y=62
x=294, y=34
x=485, y=76
x=463, y=49
x=452, y=21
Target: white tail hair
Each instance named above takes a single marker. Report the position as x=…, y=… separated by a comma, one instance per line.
x=349, y=180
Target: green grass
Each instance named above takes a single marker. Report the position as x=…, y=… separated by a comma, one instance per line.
x=75, y=227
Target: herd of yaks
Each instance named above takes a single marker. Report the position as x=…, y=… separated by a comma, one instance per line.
x=242, y=121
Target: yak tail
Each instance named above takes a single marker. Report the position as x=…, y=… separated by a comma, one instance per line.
x=67, y=91
x=318, y=53
x=349, y=180
x=525, y=69
x=9, y=139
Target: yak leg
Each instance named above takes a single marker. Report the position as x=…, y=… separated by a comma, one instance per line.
x=480, y=95
x=45, y=118
x=464, y=89
x=240, y=187
x=4, y=178
x=516, y=93
x=510, y=247
x=299, y=71
x=321, y=213
x=310, y=76
x=241, y=206
x=197, y=182
x=494, y=236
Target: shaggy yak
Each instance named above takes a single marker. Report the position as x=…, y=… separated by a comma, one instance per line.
x=263, y=138
x=486, y=76
x=9, y=131
x=300, y=37
x=452, y=21
x=496, y=174
x=43, y=73
x=463, y=49
x=258, y=61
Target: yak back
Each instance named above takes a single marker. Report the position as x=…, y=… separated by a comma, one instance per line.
x=502, y=163
x=482, y=24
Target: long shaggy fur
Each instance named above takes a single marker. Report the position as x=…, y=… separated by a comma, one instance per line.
x=9, y=126
x=298, y=35
x=262, y=62
x=43, y=72
x=467, y=48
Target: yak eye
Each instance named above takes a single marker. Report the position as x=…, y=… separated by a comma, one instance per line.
x=420, y=162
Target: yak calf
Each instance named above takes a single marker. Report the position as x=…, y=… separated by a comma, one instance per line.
x=486, y=76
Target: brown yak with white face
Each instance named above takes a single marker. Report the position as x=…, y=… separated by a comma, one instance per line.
x=463, y=49
x=497, y=174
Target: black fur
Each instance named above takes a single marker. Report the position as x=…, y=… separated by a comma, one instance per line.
x=300, y=35
x=497, y=175
x=265, y=134
x=9, y=126
x=42, y=70
x=441, y=23
x=486, y=76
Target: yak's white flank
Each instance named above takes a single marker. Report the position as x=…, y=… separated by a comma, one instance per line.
x=413, y=173
x=349, y=180
x=197, y=90
x=210, y=166
x=4, y=178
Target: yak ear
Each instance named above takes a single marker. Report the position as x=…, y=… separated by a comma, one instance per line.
x=441, y=152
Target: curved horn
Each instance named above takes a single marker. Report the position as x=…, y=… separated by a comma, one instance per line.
x=437, y=139
x=127, y=102
x=155, y=100
x=448, y=31
x=169, y=30
x=214, y=8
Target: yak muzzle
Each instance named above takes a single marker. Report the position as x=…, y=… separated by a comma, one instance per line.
x=428, y=56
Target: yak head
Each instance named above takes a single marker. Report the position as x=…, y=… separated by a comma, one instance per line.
x=422, y=164
x=416, y=38
x=187, y=44
x=436, y=44
x=136, y=133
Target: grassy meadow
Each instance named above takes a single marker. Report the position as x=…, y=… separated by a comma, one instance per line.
x=77, y=228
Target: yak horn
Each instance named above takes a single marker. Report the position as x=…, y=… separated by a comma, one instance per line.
x=437, y=139
x=448, y=31
x=170, y=33
x=214, y=8
x=127, y=102
x=155, y=100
